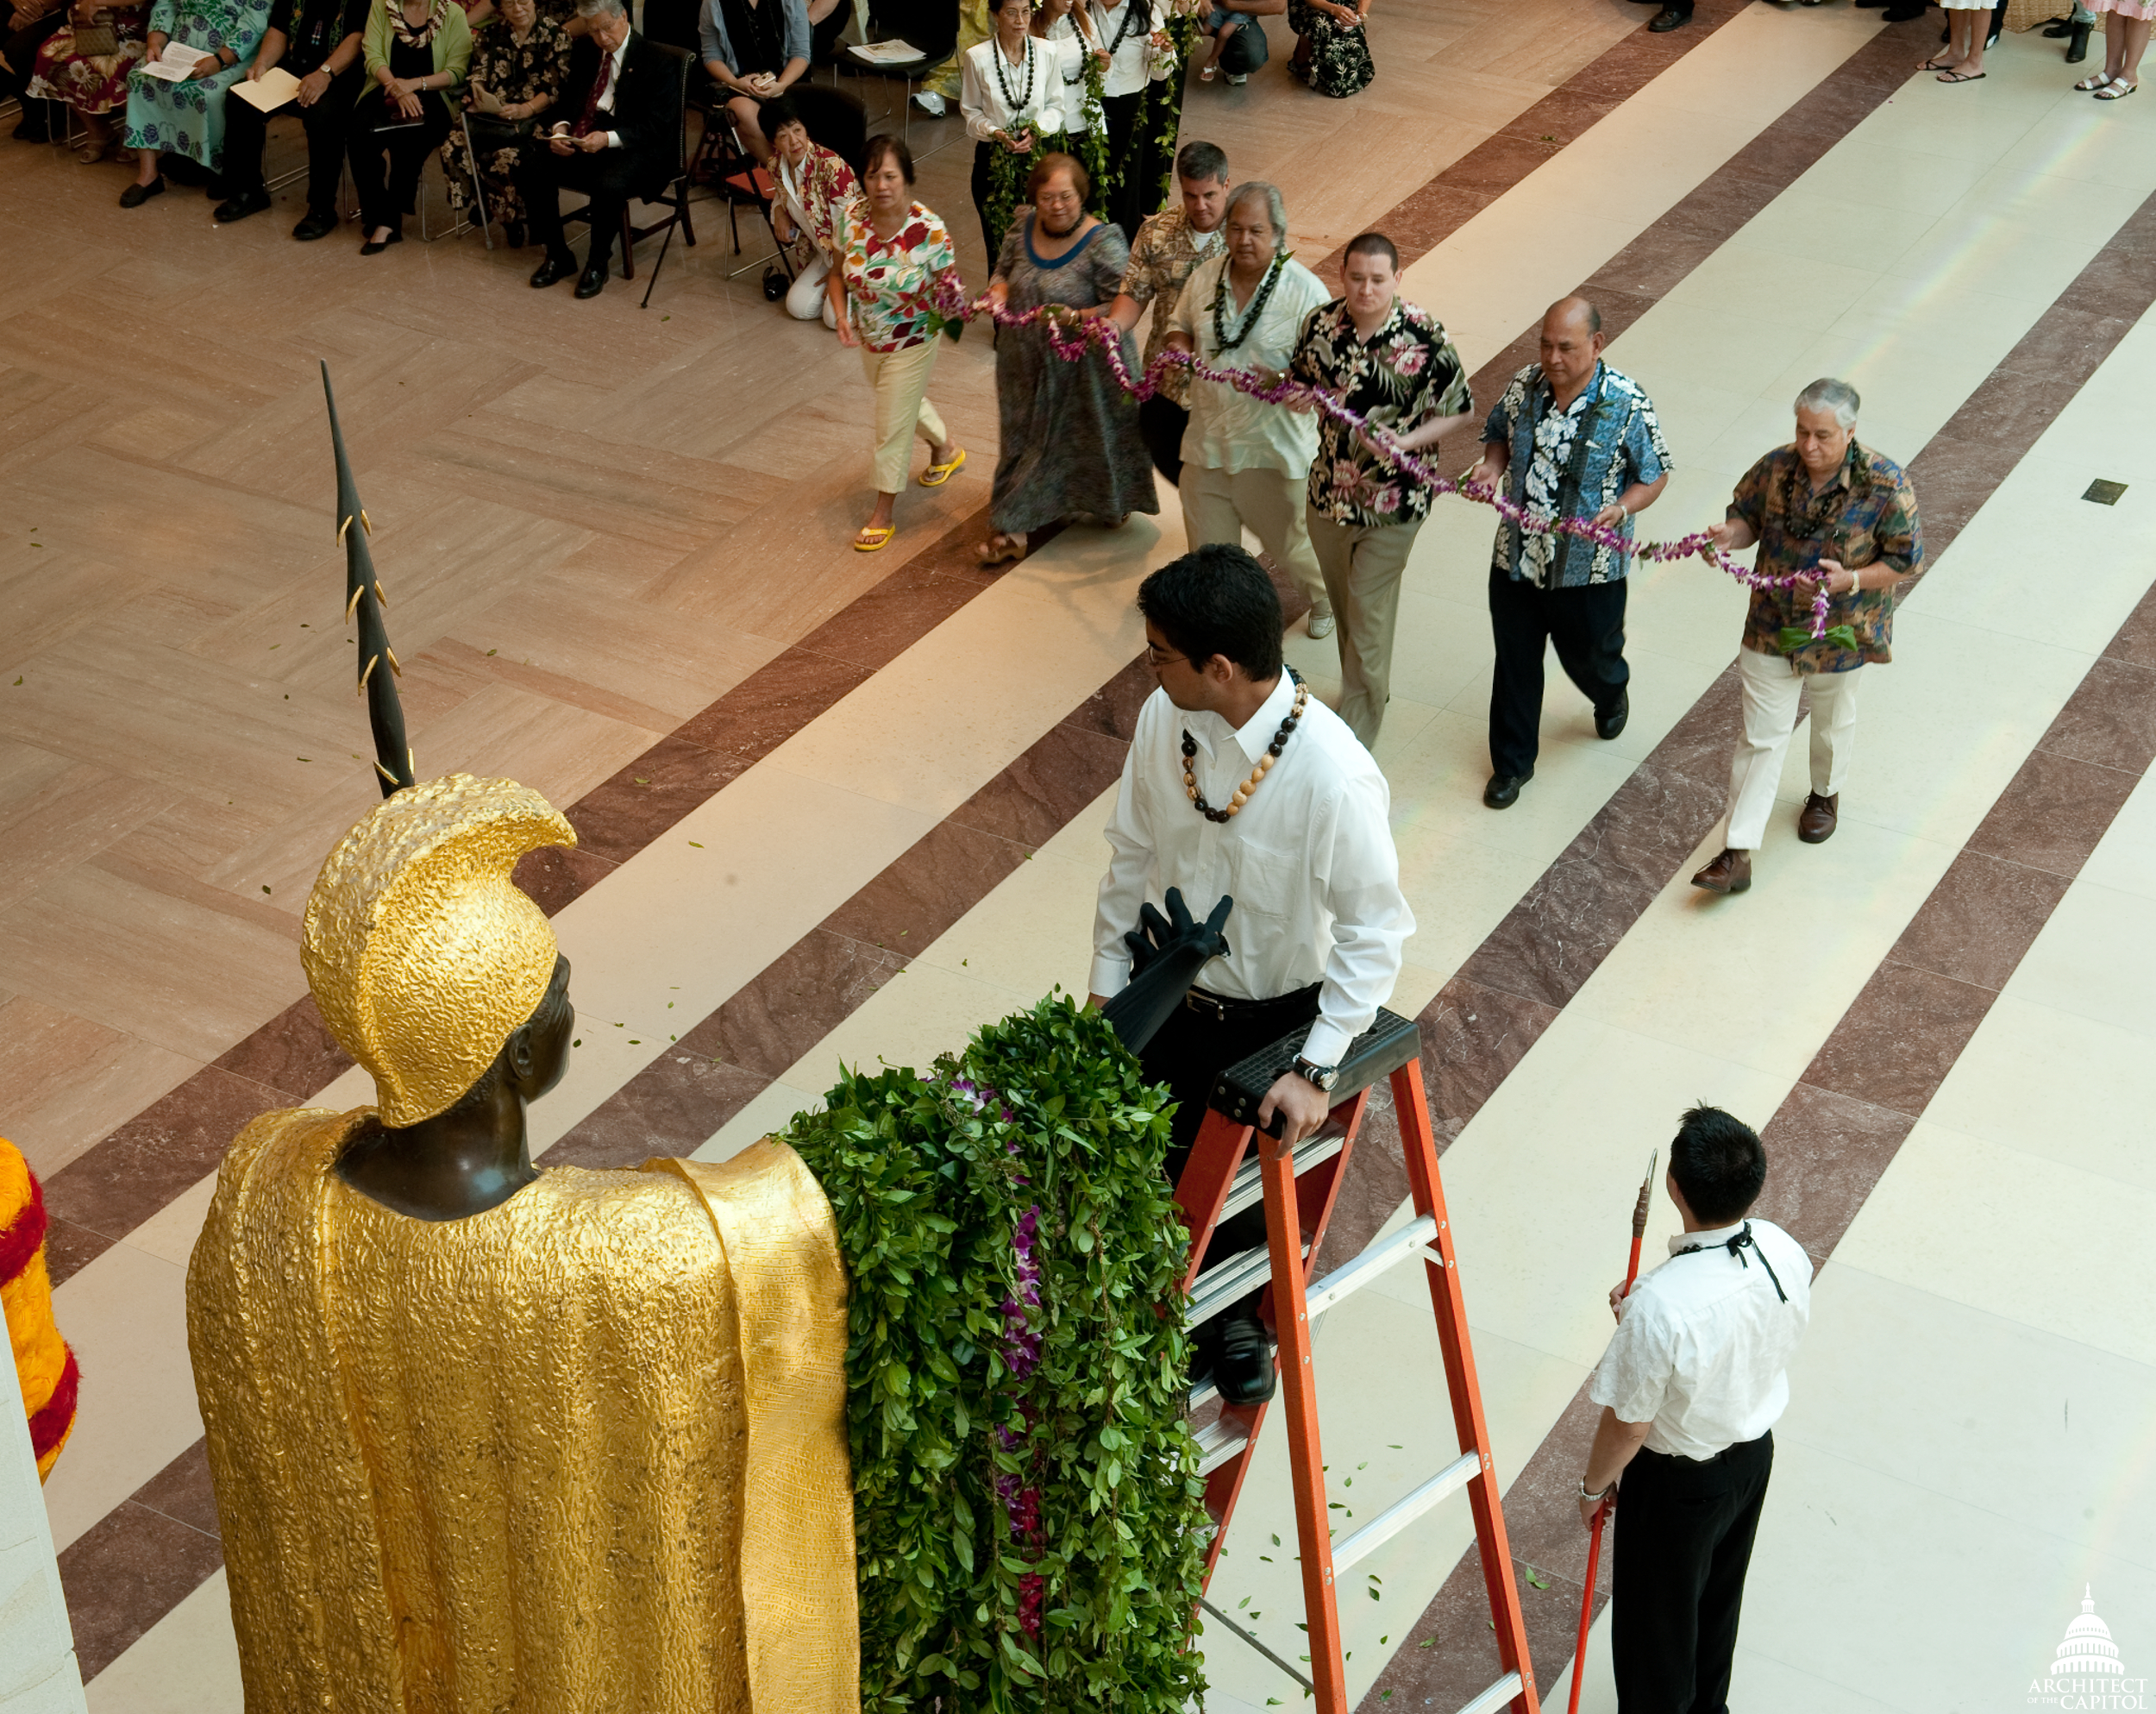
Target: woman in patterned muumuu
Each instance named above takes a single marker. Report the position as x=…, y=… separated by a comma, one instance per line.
x=895, y=256
x=1071, y=448
x=86, y=62
x=517, y=64
x=1332, y=49
x=187, y=118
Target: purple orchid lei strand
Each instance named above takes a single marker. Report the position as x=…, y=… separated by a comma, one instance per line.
x=1070, y=341
x=1021, y=1501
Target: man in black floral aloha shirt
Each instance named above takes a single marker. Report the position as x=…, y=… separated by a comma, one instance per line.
x=1843, y=516
x=1393, y=364
x=1570, y=438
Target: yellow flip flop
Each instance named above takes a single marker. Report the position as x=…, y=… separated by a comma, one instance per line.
x=936, y=475
x=875, y=536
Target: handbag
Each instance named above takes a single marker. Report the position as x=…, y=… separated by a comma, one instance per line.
x=97, y=36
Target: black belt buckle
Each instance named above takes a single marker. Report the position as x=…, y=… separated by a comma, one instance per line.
x=1206, y=1005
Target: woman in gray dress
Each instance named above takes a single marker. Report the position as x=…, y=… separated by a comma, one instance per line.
x=1071, y=447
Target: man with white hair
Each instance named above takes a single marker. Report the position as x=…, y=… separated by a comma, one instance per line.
x=1831, y=513
x=1247, y=462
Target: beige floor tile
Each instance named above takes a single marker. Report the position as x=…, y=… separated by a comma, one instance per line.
x=187, y=1663
x=70, y=1081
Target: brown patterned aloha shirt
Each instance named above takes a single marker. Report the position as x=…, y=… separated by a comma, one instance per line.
x=1865, y=515
x=1164, y=256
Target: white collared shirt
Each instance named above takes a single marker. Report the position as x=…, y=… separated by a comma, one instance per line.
x=980, y=96
x=1309, y=861
x=1138, y=61
x=1702, y=1347
x=1230, y=431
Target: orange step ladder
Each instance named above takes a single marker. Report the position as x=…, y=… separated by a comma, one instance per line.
x=1298, y=1193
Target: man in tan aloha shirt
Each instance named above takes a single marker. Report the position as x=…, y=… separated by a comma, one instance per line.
x=1169, y=245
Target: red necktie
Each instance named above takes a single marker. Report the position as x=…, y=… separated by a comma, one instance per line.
x=598, y=89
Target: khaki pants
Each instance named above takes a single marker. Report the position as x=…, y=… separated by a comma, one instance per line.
x=1362, y=565
x=1770, y=687
x=1216, y=507
x=899, y=379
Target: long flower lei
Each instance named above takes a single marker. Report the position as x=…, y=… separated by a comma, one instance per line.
x=1069, y=339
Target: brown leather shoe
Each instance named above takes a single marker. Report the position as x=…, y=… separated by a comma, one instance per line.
x=1731, y=872
x=1815, y=821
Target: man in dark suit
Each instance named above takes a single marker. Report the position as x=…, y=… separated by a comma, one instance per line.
x=622, y=137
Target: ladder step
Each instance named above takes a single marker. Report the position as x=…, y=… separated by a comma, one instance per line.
x=1497, y=1696
x=1230, y=1283
x=1389, y=1043
x=1407, y=1242
x=1218, y=1442
x=1397, y=1517
x=1249, y=1189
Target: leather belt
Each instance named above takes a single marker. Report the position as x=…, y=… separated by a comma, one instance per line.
x=1221, y=1008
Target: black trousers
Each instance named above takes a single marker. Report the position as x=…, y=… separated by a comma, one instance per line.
x=983, y=155
x=19, y=49
x=1161, y=422
x=1187, y=1053
x=606, y=179
x=386, y=165
x=328, y=124
x=1684, y=1542
x=1587, y=624
x=1131, y=159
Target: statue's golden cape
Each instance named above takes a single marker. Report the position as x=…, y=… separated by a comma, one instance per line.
x=582, y=1453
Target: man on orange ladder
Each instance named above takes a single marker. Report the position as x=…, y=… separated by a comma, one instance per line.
x=1692, y=1383
x=1239, y=781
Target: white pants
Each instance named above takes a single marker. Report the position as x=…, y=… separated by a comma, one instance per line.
x=1770, y=689
x=806, y=300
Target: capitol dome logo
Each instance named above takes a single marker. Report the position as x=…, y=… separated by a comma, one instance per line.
x=2088, y=1673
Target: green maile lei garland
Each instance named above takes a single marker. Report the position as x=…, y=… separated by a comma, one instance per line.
x=1162, y=117
x=1027, y=1509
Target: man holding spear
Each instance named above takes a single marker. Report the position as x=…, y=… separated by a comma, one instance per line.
x=1692, y=1383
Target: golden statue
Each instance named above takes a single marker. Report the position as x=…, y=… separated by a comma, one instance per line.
x=486, y=1436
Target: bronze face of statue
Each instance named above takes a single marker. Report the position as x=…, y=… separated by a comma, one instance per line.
x=474, y=1157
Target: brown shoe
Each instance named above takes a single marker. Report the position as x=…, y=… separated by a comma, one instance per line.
x=1815, y=821
x=1731, y=872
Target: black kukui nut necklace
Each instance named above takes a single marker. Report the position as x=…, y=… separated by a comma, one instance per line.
x=1220, y=340
x=1003, y=84
x=1257, y=774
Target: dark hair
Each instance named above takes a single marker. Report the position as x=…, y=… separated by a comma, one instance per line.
x=1201, y=162
x=777, y=114
x=1217, y=600
x=1366, y=244
x=884, y=143
x=1718, y=1164
x=1052, y=163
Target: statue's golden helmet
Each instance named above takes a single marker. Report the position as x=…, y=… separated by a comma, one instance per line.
x=423, y=955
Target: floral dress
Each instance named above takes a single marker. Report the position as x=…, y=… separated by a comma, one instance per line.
x=189, y=119
x=1339, y=62
x=90, y=83
x=517, y=71
x=822, y=189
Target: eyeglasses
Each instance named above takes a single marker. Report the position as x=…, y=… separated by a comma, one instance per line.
x=1155, y=656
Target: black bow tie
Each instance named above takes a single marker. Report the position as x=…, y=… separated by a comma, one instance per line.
x=1737, y=1247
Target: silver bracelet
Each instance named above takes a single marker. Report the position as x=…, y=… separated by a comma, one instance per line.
x=1586, y=1496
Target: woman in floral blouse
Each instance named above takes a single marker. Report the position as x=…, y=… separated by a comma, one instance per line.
x=894, y=261
x=810, y=188
x=517, y=64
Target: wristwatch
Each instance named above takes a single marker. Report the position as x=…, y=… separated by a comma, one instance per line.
x=1323, y=1075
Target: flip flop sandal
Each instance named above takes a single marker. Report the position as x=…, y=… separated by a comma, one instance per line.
x=2093, y=82
x=1936, y=65
x=936, y=475
x=1207, y=75
x=1002, y=549
x=872, y=536
x=1962, y=77
x=2117, y=90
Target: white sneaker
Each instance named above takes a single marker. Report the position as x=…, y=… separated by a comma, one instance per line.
x=929, y=103
x=1320, y=623
x=1238, y=78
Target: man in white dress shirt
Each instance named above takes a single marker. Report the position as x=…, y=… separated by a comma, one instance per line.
x=1691, y=1386
x=1306, y=852
x=1245, y=462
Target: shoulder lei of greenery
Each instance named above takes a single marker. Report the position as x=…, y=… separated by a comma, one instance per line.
x=1026, y=1504
x=1161, y=117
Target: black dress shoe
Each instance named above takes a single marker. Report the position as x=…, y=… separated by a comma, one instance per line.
x=316, y=225
x=2054, y=29
x=31, y=131
x=1901, y=14
x=1668, y=18
x=1608, y=725
x=239, y=207
x=553, y=271
x=374, y=246
x=1244, y=1371
x=593, y=280
x=136, y=195
x=181, y=170
x=1503, y=790
x=2077, y=49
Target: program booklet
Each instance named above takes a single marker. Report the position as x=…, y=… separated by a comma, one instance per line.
x=269, y=92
